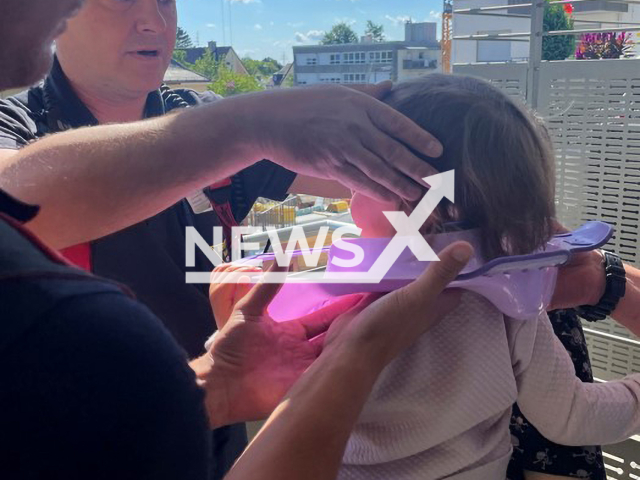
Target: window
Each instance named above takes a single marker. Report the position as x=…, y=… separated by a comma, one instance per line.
x=312, y=61
x=334, y=59
x=355, y=78
x=353, y=58
x=381, y=57
x=330, y=80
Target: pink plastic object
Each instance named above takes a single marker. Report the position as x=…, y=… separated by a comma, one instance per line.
x=519, y=286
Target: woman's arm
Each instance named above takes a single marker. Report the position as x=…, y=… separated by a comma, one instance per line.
x=566, y=410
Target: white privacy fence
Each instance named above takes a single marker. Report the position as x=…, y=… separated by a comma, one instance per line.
x=592, y=111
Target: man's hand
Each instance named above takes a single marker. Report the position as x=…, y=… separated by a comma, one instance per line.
x=229, y=284
x=337, y=133
x=392, y=323
x=379, y=91
x=253, y=360
x=319, y=412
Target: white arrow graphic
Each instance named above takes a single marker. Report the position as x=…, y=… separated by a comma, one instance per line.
x=407, y=235
x=408, y=228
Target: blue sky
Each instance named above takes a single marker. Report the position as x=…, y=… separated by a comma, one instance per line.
x=262, y=28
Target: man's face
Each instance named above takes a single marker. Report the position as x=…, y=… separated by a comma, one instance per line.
x=27, y=30
x=121, y=47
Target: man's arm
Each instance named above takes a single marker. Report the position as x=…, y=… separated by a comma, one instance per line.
x=251, y=355
x=94, y=181
x=582, y=282
x=306, y=435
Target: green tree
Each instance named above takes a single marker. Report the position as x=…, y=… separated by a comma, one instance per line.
x=261, y=68
x=183, y=40
x=376, y=31
x=339, y=33
x=207, y=64
x=252, y=66
x=273, y=61
x=181, y=57
x=562, y=46
x=269, y=66
x=229, y=83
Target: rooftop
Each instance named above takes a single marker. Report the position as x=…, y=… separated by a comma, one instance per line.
x=178, y=73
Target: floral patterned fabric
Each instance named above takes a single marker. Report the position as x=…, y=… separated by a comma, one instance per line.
x=531, y=451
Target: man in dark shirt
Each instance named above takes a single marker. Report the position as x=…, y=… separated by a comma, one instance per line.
x=148, y=256
x=92, y=385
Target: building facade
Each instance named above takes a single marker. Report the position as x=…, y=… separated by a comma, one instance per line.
x=370, y=62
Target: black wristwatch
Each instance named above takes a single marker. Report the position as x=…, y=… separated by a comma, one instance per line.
x=616, y=283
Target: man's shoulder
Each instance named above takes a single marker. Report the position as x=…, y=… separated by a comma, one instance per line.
x=29, y=100
x=196, y=98
x=19, y=117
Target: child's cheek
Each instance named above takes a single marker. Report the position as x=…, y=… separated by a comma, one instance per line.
x=367, y=215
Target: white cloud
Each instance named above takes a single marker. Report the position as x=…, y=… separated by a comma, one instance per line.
x=244, y=1
x=272, y=23
x=295, y=24
x=257, y=26
x=398, y=20
x=210, y=25
x=434, y=16
x=312, y=36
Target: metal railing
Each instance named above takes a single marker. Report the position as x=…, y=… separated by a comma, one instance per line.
x=269, y=214
x=276, y=215
x=536, y=33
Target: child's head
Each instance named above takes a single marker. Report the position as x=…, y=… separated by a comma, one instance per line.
x=502, y=157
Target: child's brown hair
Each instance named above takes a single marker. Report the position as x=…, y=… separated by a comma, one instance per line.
x=502, y=156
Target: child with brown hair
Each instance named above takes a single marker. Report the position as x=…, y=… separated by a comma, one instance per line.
x=442, y=408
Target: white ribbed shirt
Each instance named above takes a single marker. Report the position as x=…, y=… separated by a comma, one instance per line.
x=442, y=408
